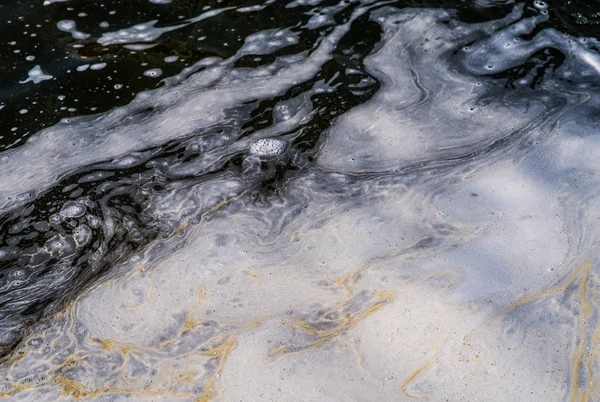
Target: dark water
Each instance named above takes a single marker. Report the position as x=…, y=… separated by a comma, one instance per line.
x=116, y=176
x=32, y=38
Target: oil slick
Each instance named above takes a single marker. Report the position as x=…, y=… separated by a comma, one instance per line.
x=437, y=241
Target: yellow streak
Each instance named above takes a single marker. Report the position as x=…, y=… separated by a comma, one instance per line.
x=222, y=352
x=410, y=379
x=221, y=205
x=346, y=280
x=326, y=335
x=581, y=271
x=592, y=357
x=578, y=355
x=581, y=276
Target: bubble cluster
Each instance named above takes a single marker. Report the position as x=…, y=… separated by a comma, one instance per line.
x=268, y=147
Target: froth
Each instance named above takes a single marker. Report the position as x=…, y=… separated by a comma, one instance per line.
x=440, y=241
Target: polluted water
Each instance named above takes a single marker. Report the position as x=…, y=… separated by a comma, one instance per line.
x=304, y=200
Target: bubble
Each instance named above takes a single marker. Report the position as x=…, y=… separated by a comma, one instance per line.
x=153, y=72
x=66, y=25
x=97, y=66
x=82, y=235
x=72, y=209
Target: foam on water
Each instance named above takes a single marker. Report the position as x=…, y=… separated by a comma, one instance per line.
x=70, y=26
x=36, y=75
x=436, y=241
x=147, y=32
x=206, y=97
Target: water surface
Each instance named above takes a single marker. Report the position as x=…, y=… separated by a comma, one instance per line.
x=305, y=200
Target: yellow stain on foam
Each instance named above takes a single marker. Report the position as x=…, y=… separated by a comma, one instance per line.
x=325, y=335
x=418, y=372
x=221, y=205
x=581, y=273
x=578, y=355
x=348, y=280
x=105, y=344
x=579, y=360
x=77, y=390
x=181, y=227
x=593, y=356
x=221, y=351
x=109, y=345
x=14, y=389
x=412, y=377
x=295, y=235
x=189, y=324
x=141, y=268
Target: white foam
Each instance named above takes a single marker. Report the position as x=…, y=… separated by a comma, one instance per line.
x=202, y=102
x=147, y=32
x=71, y=27
x=153, y=72
x=465, y=271
x=268, y=147
x=36, y=75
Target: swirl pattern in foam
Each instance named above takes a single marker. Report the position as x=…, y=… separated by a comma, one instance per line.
x=436, y=239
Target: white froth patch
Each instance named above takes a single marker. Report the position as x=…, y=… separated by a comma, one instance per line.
x=365, y=290
x=36, y=75
x=202, y=102
x=72, y=210
x=424, y=111
x=97, y=66
x=147, y=32
x=71, y=27
x=268, y=147
x=153, y=72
